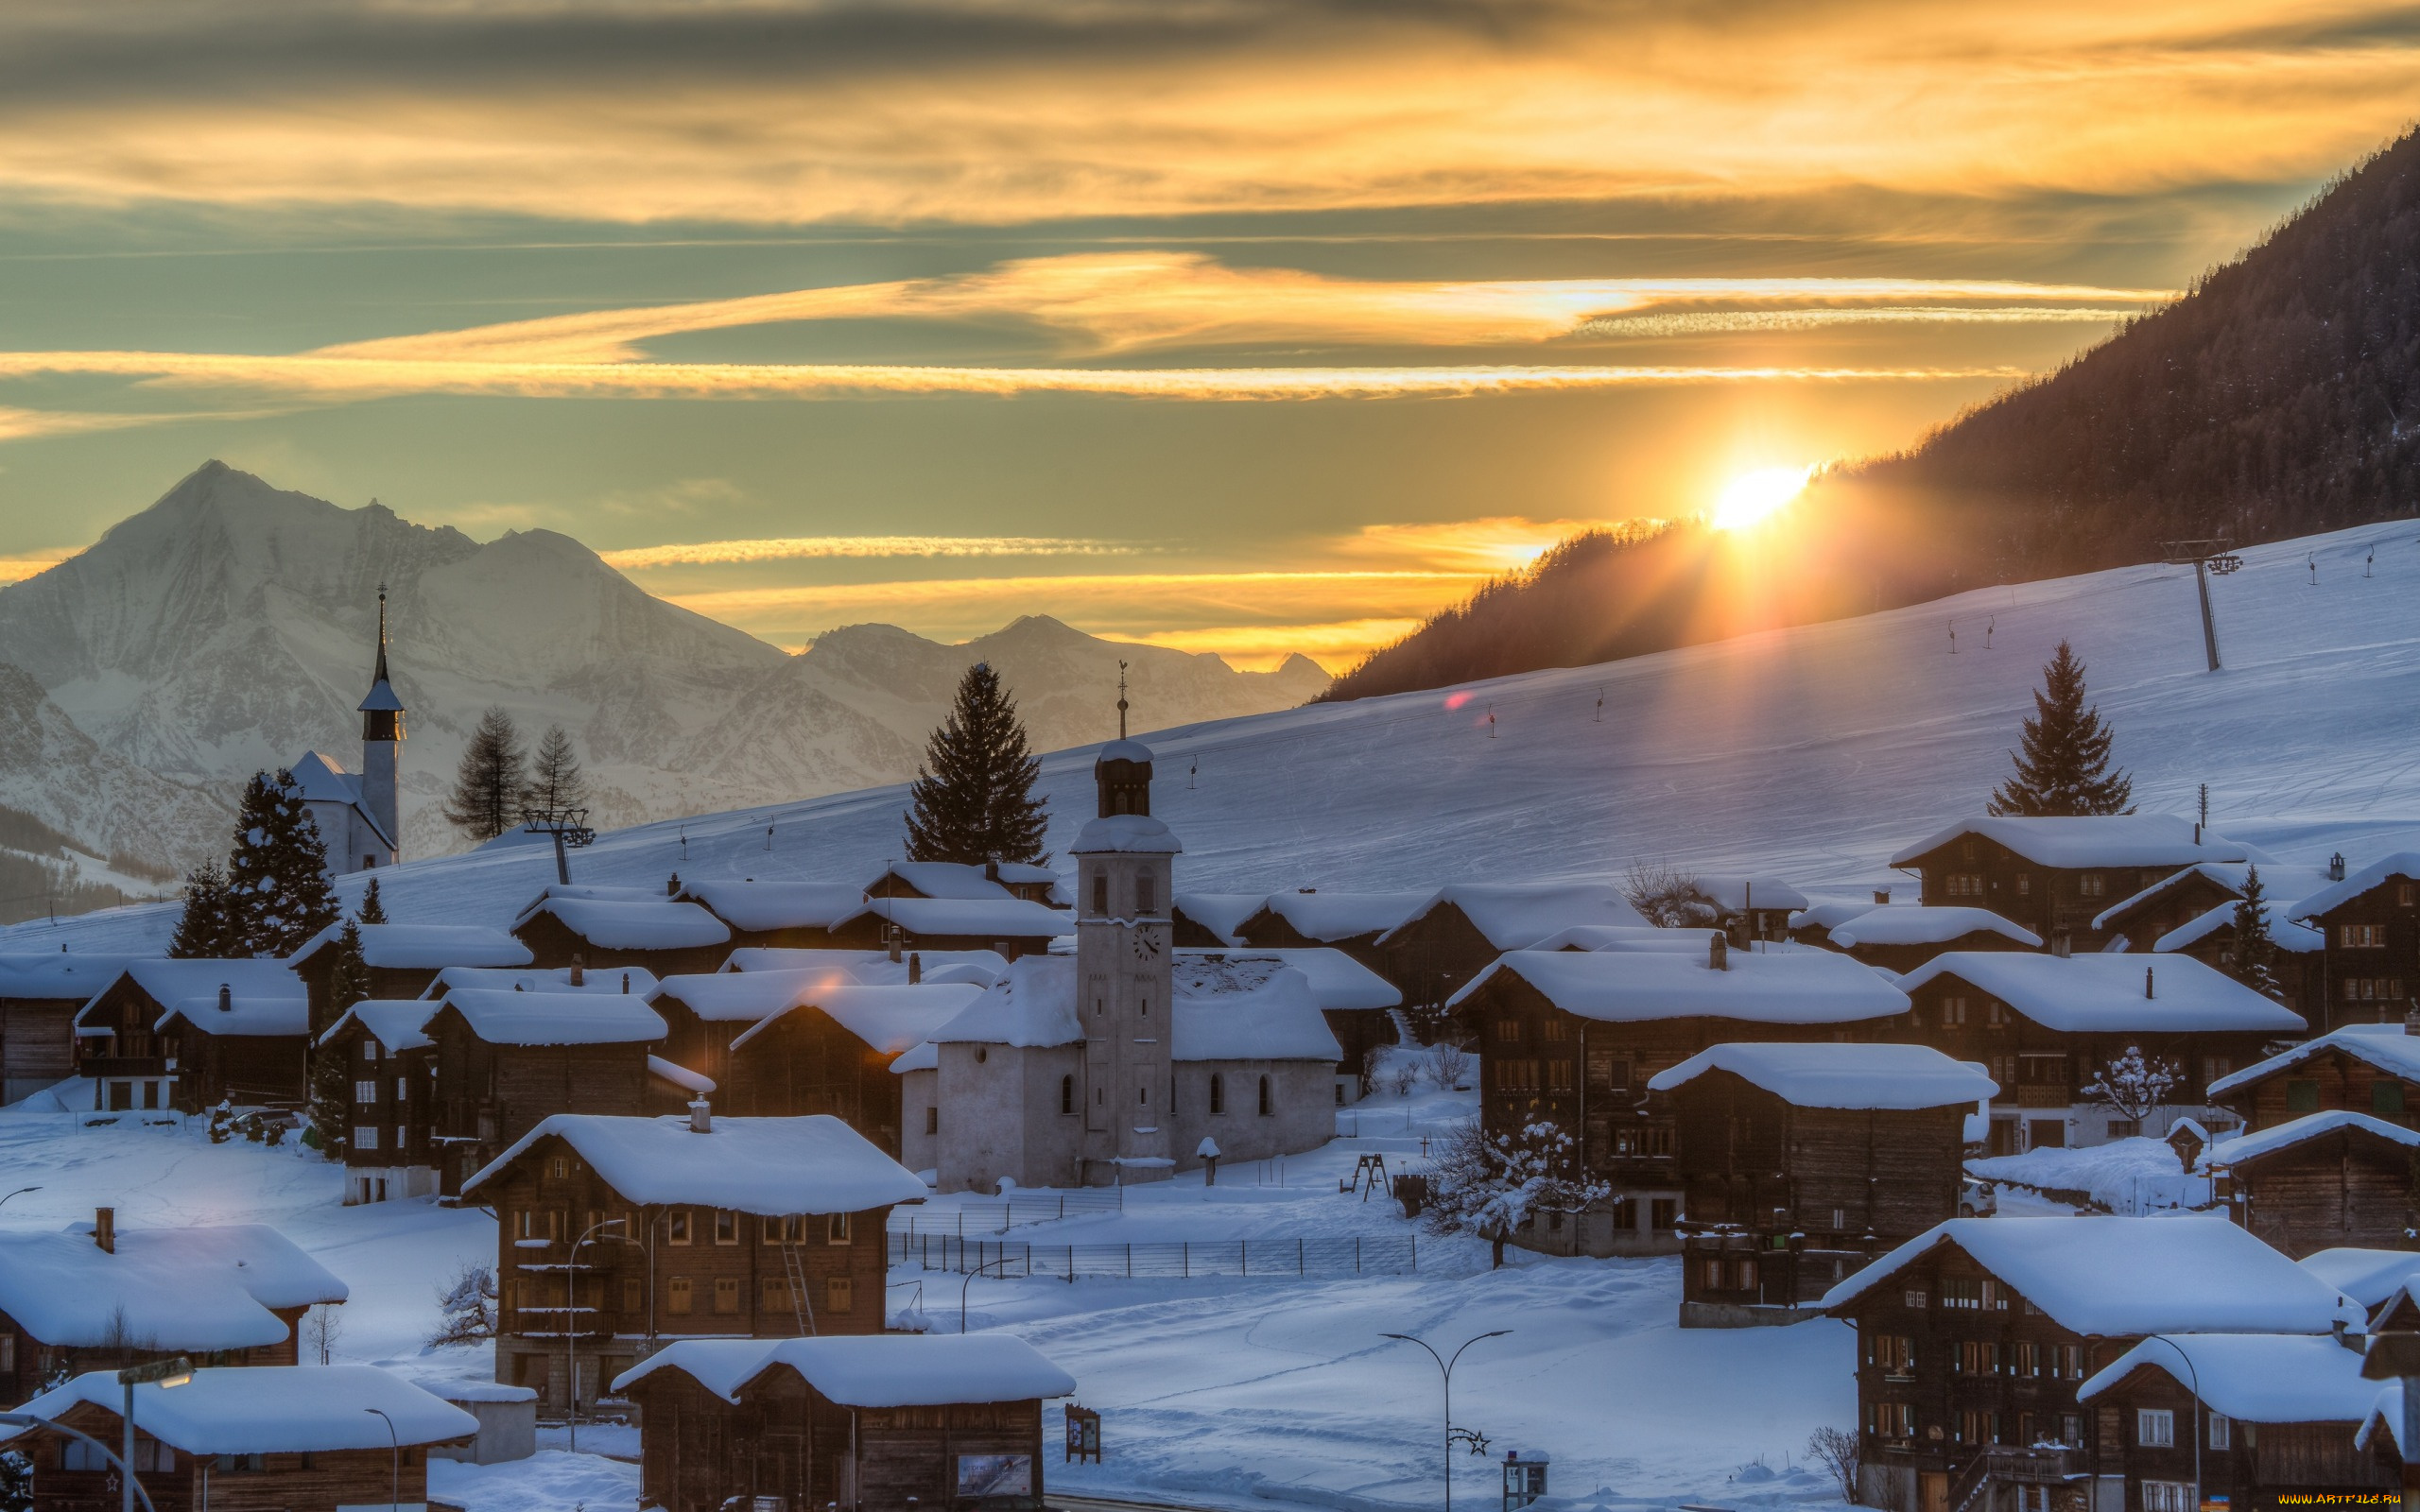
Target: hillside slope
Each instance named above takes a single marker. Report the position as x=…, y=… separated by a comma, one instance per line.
x=1813, y=753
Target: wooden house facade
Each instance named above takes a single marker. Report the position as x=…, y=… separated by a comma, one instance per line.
x=888, y=1422
x=403, y=961
x=1902, y=939
x=391, y=1070
x=617, y=1234
x=1353, y=922
x=2323, y=1181
x=2370, y=922
x=2056, y=876
x=664, y=935
x=501, y=1063
x=1009, y=926
x=1450, y=939
x=1572, y=1038
x=189, y=1034
x=39, y=994
x=1798, y=1163
x=831, y=1052
x=2373, y=1070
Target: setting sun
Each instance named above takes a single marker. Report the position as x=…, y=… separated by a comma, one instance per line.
x=1751, y=497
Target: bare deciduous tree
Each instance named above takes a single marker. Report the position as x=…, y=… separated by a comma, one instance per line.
x=1449, y=1063
x=1668, y=896
x=1836, y=1450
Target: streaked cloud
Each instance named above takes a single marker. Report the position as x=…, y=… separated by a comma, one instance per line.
x=807, y=548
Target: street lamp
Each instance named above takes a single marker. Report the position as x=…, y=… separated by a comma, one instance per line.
x=969, y=1285
x=394, y=1462
x=2196, y=1377
x=19, y=1192
x=1445, y=1367
x=165, y=1374
x=571, y=1338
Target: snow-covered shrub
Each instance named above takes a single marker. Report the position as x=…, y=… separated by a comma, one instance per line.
x=222, y=1124
x=1493, y=1186
x=1667, y=897
x=1403, y=1075
x=466, y=1307
x=2134, y=1084
x=1449, y=1063
x=16, y=1481
x=1836, y=1450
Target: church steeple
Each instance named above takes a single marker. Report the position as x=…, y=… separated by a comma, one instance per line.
x=1122, y=771
x=382, y=730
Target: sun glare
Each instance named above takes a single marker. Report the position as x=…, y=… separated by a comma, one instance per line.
x=1751, y=497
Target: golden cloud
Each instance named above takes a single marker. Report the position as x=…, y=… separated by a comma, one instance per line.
x=803, y=548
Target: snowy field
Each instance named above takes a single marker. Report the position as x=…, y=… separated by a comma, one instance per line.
x=1225, y=1393
x=1812, y=753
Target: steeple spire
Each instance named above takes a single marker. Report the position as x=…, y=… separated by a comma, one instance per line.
x=380, y=676
x=1121, y=697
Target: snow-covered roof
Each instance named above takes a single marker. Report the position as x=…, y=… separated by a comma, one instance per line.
x=2282, y=885
x=2085, y=994
x=1001, y=918
x=1032, y=1006
x=926, y=1057
x=1514, y=916
x=873, y=968
x=185, y=1289
x=1627, y=938
x=2383, y=1046
x=1799, y=987
x=507, y=1017
x=620, y=925
x=870, y=1371
x=59, y=975
x=2368, y=1277
x=319, y=778
x=2101, y=840
x=1338, y=981
x=601, y=981
x=2300, y=1130
x=168, y=981
x=397, y=1025
x=1835, y=1076
x=1333, y=916
x=1126, y=834
x=746, y=997
x=680, y=1077
x=1828, y=917
x=1221, y=913
x=2117, y=1277
x=278, y=1409
x=1736, y=892
x=1123, y=750
x=2253, y=1377
x=943, y=879
x=764, y=905
x=425, y=947
x=1277, y=1018
x=252, y=1015
x=771, y=1166
x=1923, y=925
x=887, y=1019
x=2403, y=864
x=2285, y=935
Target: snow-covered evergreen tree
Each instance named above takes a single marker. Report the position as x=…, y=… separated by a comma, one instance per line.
x=205, y=929
x=372, y=909
x=466, y=1307
x=278, y=894
x=2134, y=1084
x=489, y=784
x=2256, y=949
x=556, y=781
x=331, y=1078
x=1491, y=1186
x=2063, y=763
x=972, y=798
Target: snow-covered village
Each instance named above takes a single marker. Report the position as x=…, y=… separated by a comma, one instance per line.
x=829, y=756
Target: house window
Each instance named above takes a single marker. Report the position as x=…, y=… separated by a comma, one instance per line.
x=365, y=1092
x=1218, y=1093
x=839, y=1294
x=2221, y=1432
x=2092, y=884
x=1267, y=1106
x=2386, y=1097
x=1894, y=1419
x=558, y=1166
x=777, y=1295
x=2360, y=937
x=403, y=1089
x=2302, y=1097
x=1894, y=1354
x=1976, y=1358
x=1663, y=1212
x=2071, y=1429
x=2167, y=1496
x=1978, y=1428
x=2405, y=894
x=1558, y=1076
x=786, y=1231
x=1953, y=1012
x=2154, y=1428
x=366, y=1137
x=1066, y=1094
x=1100, y=892
x=1066, y=1104
x=633, y=1295
x=2025, y=884
x=2373, y=989
x=1508, y=1031
x=680, y=1297
x=676, y=1224
x=727, y=1295
x=1142, y=893
x=838, y=1229
x=1962, y=1291
x=1916, y=1299
x=726, y=1227
x=2025, y=1358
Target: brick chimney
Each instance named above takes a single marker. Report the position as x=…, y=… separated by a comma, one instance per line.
x=1718, y=952
x=105, y=1229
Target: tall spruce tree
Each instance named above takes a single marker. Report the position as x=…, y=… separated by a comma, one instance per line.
x=556, y=781
x=278, y=894
x=331, y=1080
x=372, y=909
x=489, y=784
x=2256, y=949
x=204, y=930
x=972, y=798
x=2063, y=765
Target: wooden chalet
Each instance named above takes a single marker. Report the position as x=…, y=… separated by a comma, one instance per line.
x=2273, y=1417
x=192, y=1034
x=504, y=1062
x=2056, y=876
x=2323, y=1181
x=2297, y=962
x=783, y=915
x=616, y=1235
x=2046, y=1026
x=2371, y=924
x=959, y=880
x=1353, y=922
x=1572, y=1038
x=39, y=994
x=102, y=1297
x=287, y=1438
x=601, y=928
x=1798, y=1163
x=892, y=1421
x=402, y=960
x=1901, y=939
x=2372, y=1069
x=1211, y=920
x=1446, y=941
x=390, y=1119
x=1009, y=926
x=1974, y=1338
x=830, y=1049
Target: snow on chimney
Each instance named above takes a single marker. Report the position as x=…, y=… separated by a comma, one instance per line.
x=701, y=1116
x=579, y=972
x=226, y=999
x=1881, y=895
x=105, y=1229
x=1718, y=952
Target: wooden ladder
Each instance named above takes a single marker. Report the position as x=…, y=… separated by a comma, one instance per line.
x=794, y=1266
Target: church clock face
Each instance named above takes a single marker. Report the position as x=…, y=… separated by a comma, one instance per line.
x=1147, y=947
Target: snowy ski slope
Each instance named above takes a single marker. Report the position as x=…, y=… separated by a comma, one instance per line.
x=1810, y=753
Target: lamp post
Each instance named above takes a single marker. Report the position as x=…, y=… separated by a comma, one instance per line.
x=969, y=1285
x=1445, y=1367
x=19, y=1192
x=394, y=1461
x=2195, y=1376
x=27, y=1420
x=165, y=1374
x=571, y=1338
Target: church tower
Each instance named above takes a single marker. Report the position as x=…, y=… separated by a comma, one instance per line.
x=1125, y=874
x=382, y=730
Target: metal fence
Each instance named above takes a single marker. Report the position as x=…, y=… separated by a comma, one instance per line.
x=1012, y=1258
x=999, y=1217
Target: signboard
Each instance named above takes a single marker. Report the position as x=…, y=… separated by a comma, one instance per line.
x=995, y=1475
x=1083, y=1434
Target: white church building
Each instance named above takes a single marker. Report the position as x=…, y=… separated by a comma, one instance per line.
x=1091, y=1069
x=356, y=811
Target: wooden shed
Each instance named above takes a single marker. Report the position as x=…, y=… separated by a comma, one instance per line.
x=887, y=1422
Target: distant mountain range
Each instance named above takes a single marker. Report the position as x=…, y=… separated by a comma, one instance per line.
x=2280, y=397
x=228, y=627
